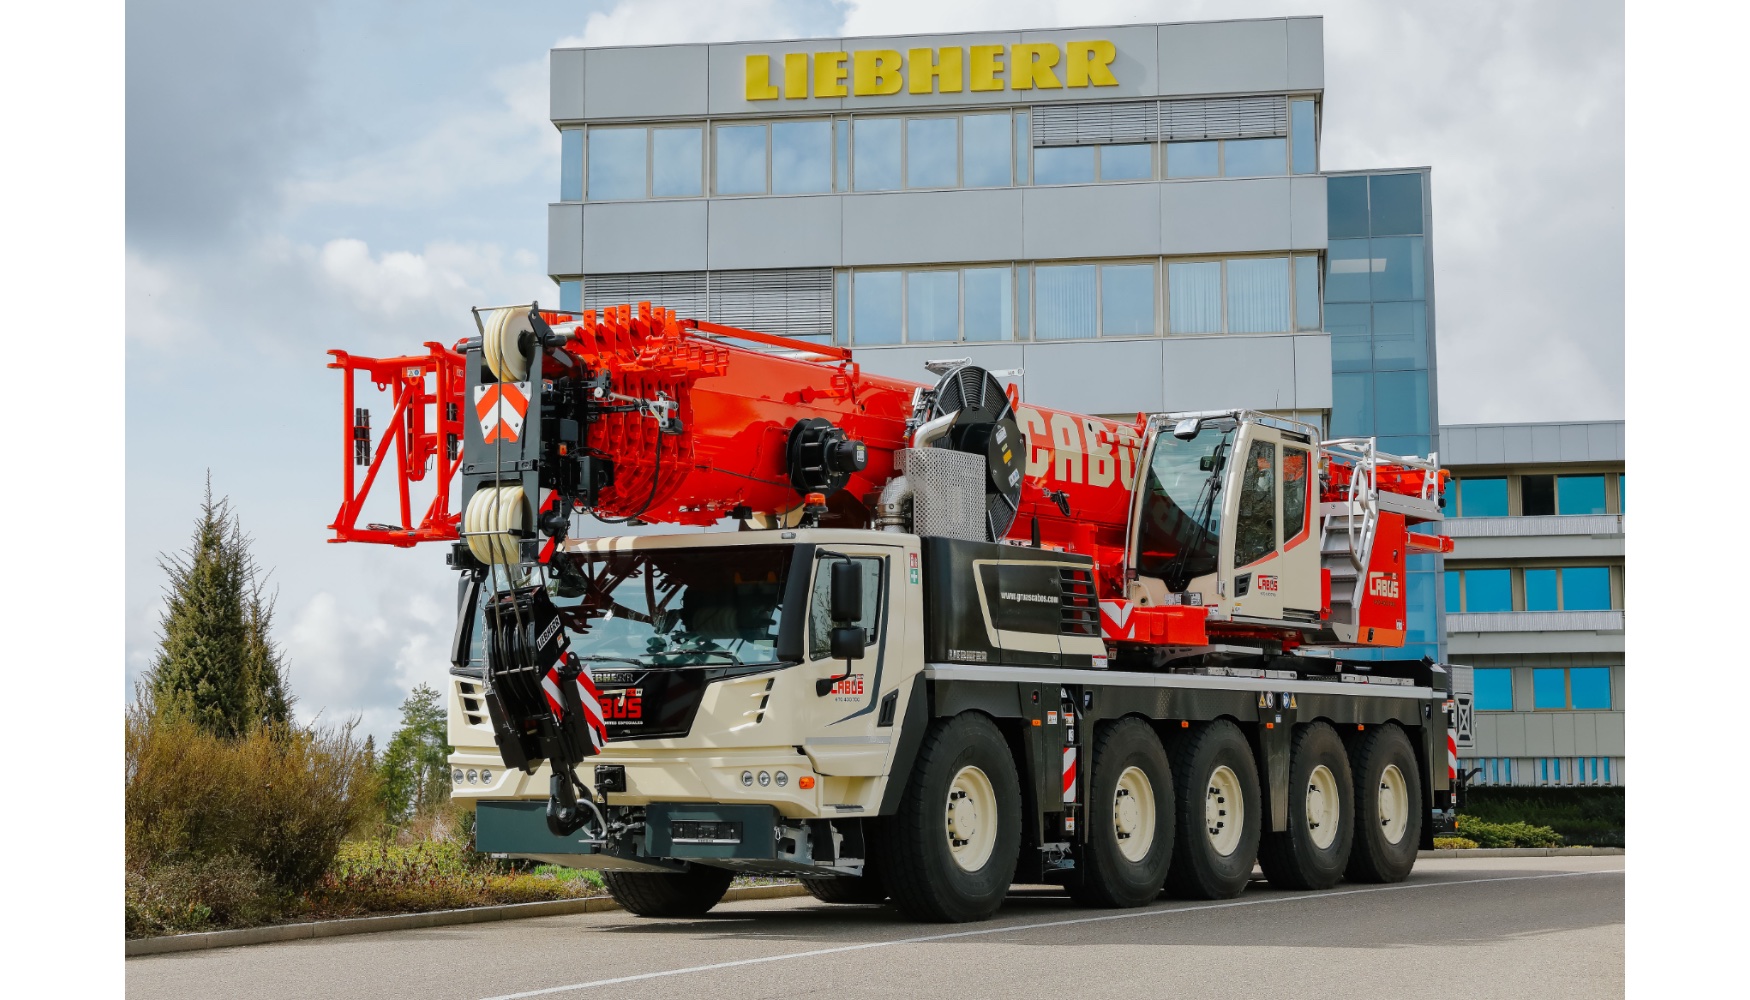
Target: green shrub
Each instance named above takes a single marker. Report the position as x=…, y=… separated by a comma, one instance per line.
x=1592, y=817
x=1486, y=834
x=1454, y=843
x=198, y=894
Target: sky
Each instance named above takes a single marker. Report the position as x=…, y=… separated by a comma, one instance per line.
x=357, y=175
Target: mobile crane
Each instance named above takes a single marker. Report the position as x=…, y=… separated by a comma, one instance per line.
x=956, y=642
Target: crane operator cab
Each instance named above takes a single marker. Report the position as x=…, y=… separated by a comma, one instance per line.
x=1226, y=518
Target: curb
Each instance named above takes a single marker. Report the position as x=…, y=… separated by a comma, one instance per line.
x=405, y=921
x=1521, y=852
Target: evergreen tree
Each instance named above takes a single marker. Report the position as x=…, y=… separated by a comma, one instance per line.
x=265, y=662
x=415, y=763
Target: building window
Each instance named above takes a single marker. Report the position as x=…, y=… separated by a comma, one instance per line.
x=1194, y=297
x=1482, y=498
x=1579, y=494
x=985, y=150
x=841, y=171
x=617, y=163
x=741, y=159
x=1589, y=688
x=1347, y=270
x=1401, y=401
x=1254, y=157
x=1396, y=208
x=1023, y=148
x=1485, y=591
x=571, y=164
x=877, y=163
x=1064, y=301
x=1064, y=165
x=801, y=157
x=989, y=303
x=841, y=313
x=1492, y=689
x=1127, y=299
x=1396, y=266
x=932, y=152
x=571, y=296
x=1257, y=295
x=1346, y=208
x=676, y=158
x=876, y=307
x=1549, y=688
x=1350, y=325
x=1541, y=590
x=1400, y=336
x=1193, y=159
x=1306, y=293
x=932, y=306
x=1133, y=162
x=1585, y=588
x=1303, y=129
x=1351, y=404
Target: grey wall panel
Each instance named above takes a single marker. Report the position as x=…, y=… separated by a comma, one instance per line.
x=1562, y=735
x=774, y=232
x=1532, y=444
x=1110, y=376
x=1222, y=216
x=1574, y=443
x=1312, y=371
x=1516, y=443
x=908, y=362
x=1612, y=741
x=1137, y=66
x=728, y=78
x=663, y=81
x=1105, y=220
x=622, y=237
x=1585, y=734
x=1540, y=735
x=1223, y=57
x=565, y=84
x=1307, y=228
x=1206, y=373
x=933, y=226
x=1546, y=442
x=1306, y=53
x=1509, y=733
x=564, y=239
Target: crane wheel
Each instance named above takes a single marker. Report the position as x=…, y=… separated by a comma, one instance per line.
x=507, y=345
x=1388, y=806
x=1130, y=816
x=691, y=893
x=949, y=853
x=1219, y=812
x=1314, y=851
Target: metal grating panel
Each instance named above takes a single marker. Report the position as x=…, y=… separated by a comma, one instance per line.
x=1094, y=124
x=947, y=493
x=1224, y=118
x=797, y=302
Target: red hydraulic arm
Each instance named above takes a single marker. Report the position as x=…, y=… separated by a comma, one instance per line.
x=424, y=429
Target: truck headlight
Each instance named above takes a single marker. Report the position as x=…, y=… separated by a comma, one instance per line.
x=783, y=779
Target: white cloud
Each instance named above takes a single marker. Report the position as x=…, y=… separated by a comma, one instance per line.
x=446, y=278
x=655, y=22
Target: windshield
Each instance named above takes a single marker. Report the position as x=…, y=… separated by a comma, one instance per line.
x=1180, y=538
x=673, y=607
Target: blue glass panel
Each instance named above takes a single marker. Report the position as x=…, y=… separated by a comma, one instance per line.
x=1305, y=133
x=1488, y=591
x=932, y=152
x=876, y=164
x=1347, y=266
x=877, y=307
x=1397, y=267
x=1579, y=494
x=1193, y=159
x=1130, y=162
x=1422, y=562
x=1346, y=207
x=1063, y=165
x=1401, y=402
x=1023, y=149
x=1194, y=297
x=1452, y=607
x=571, y=164
x=1306, y=293
x=1482, y=498
x=1540, y=590
x=801, y=157
x=677, y=161
x=986, y=157
x=1621, y=493
x=1257, y=295
x=1254, y=158
x=1063, y=306
x=932, y=306
x=1351, y=329
x=841, y=318
x=1351, y=404
x=1549, y=687
x=1023, y=302
x=741, y=159
x=1405, y=444
x=1400, y=335
x=1127, y=299
x=1397, y=204
x=1586, y=588
x=571, y=296
x=1591, y=690
x=989, y=301
x=841, y=170
x=1419, y=607
x=1492, y=690
x=616, y=163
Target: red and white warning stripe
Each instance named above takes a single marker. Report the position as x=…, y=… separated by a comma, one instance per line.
x=1451, y=757
x=588, y=695
x=1069, y=774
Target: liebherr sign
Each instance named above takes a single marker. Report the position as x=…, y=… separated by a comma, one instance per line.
x=947, y=70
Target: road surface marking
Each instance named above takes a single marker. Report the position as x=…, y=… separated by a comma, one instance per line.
x=1015, y=928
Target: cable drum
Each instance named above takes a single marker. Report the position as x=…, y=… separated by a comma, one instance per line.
x=987, y=428
x=496, y=520
x=508, y=344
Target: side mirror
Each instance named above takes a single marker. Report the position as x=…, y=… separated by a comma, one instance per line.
x=848, y=642
x=1186, y=429
x=846, y=595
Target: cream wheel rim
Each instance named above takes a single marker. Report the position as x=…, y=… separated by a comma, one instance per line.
x=501, y=344
x=1224, y=812
x=1133, y=814
x=1323, y=807
x=1394, y=804
x=972, y=818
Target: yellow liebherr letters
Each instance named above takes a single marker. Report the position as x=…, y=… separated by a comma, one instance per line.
x=759, y=79
x=829, y=73
x=925, y=69
x=795, y=75
x=1091, y=62
x=875, y=71
x=987, y=66
x=1030, y=66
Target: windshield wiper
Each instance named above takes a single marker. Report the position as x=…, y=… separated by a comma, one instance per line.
x=599, y=658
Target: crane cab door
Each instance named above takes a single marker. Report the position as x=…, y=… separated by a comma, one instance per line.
x=1269, y=561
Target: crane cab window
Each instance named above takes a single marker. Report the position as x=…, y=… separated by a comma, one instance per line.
x=820, y=603
x=1255, y=530
x=1296, y=468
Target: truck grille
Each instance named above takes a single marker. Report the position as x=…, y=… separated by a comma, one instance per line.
x=471, y=694
x=1081, y=607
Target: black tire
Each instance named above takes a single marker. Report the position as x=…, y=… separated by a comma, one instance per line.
x=1293, y=859
x=850, y=889
x=922, y=875
x=691, y=893
x=1199, y=870
x=1104, y=875
x=1376, y=857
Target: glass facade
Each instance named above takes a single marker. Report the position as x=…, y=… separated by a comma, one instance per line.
x=1377, y=310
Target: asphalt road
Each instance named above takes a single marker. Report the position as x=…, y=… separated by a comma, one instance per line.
x=1492, y=927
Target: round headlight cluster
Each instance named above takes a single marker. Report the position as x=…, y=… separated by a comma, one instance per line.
x=473, y=776
x=486, y=776
x=458, y=775
x=747, y=779
x=765, y=778
x=783, y=779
